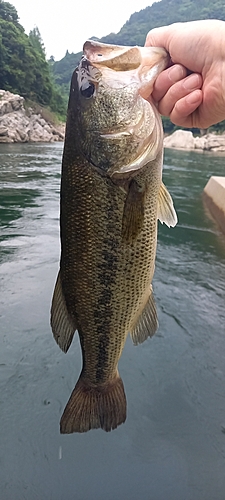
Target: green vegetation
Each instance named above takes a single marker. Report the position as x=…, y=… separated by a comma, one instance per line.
x=23, y=65
x=136, y=28
x=63, y=69
x=162, y=13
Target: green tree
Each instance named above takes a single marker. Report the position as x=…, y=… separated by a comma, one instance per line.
x=134, y=31
x=8, y=12
x=136, y=28
x=36, y=41
x=23, y=69
x=51, y=60
x=63, y=69
x=23, y=65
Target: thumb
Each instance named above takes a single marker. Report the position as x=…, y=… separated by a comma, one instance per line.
x=158, y=37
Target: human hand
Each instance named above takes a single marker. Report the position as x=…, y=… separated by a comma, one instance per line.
x=198, y=47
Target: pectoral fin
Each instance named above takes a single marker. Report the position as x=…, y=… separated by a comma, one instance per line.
x=133, y=215
x=166, y=210
x=147, y=323
x=63, y=326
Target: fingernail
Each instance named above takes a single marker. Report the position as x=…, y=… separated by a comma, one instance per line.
x=194, y=98
x=176, y=73
x=192, y=82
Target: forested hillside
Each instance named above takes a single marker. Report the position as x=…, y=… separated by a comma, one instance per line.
x=162, y=13
x=25, y=70
x=23, y=66
x=135, y=29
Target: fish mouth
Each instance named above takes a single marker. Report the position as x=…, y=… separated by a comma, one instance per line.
x=123, y=58
x=143, y=64
x=118, y=67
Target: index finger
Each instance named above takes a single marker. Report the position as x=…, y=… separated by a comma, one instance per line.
x=166, y=79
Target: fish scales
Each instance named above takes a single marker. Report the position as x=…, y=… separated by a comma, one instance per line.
x=108, y=229
x=110, y=288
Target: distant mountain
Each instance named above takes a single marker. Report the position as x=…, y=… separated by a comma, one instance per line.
x=63, y=69
x=163, y=13
x=136, y=28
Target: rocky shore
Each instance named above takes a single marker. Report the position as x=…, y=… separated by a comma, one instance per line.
x=18, y=124
x=21, y=124
x=183, y=139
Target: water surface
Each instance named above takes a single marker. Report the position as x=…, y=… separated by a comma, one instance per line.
x=172, y=446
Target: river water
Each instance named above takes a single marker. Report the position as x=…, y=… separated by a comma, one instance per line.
x=172, y=446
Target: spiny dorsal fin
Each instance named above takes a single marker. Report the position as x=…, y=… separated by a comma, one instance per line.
x=147, y=323
x=133, y=214
x=63, y=326
x=166, y=210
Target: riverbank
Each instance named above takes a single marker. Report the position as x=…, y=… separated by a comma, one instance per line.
x=184, y=139
x=19, y=123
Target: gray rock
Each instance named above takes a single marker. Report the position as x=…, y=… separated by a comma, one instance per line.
x=3, y=131
x=180, y=139
x=183, y=139
x=215, y=142
x=20, y=125
x=201, y=142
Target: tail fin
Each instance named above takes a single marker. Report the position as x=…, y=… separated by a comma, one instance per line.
x=93, y=407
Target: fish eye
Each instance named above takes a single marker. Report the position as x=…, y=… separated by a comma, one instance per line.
x=89, y=91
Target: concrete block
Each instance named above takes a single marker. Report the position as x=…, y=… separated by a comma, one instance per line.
x=214, y=197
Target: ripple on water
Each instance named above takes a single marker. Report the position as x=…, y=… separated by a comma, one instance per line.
x=172, y=445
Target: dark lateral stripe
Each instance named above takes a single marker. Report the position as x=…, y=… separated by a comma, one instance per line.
x=104, y=312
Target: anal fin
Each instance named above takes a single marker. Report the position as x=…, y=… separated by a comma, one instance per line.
x=147, y=323
x=63, y=326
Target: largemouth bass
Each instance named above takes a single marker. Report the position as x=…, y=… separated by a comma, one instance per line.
x=111, y=197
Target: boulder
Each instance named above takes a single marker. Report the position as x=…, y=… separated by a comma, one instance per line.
x=180, y=139
x=215, y=142
x=3, y=131
x=201, y=142
x=184, y=139
x=20, y=125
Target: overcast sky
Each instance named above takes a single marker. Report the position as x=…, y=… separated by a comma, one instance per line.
x=66, y=24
